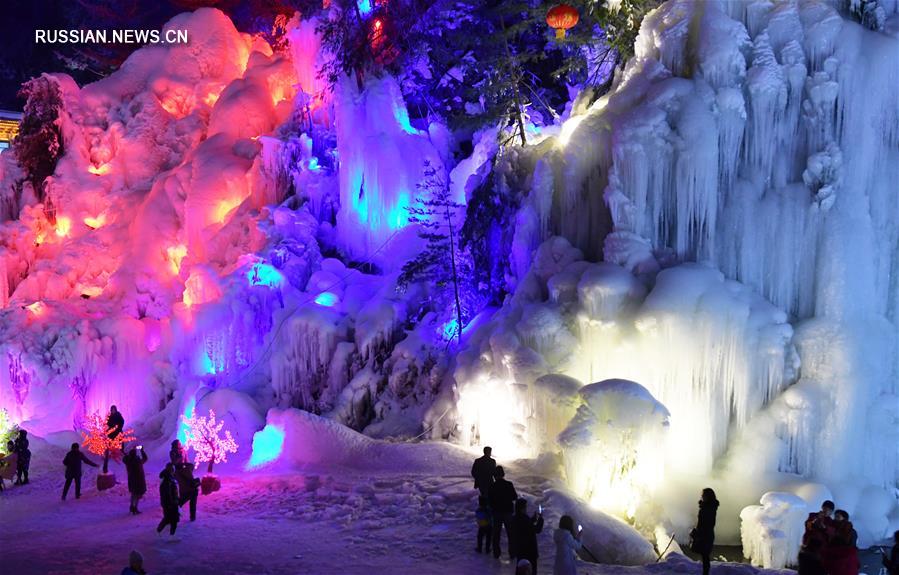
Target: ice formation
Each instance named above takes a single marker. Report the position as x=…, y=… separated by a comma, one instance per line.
x=177, y=243
x=699, y=267
x=772, y=531
x=737, y=137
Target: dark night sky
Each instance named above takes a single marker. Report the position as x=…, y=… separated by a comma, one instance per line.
x=21, y=58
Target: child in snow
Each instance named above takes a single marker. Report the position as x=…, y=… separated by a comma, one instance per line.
x=24, y=458
x=8, y=463
x=135, y=564
x=568, y=543
x=485, y=526
x=168, y=499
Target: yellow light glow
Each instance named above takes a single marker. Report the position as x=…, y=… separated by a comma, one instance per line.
x=99, y=170
x=63, y=226
x=37, y=308
x=568, y=129
x=224, y=208
x=211, y=98
x=91, y=291
x=175, y=255
x=97, y=222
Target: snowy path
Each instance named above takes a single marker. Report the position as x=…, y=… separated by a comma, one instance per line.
x=326, y=522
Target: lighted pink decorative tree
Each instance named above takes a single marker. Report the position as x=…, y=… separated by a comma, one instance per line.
x=203, y=436
x=97, y=440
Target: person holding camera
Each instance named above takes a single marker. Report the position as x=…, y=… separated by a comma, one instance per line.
x=568, y=543
x=523, y=540
x=137, y=480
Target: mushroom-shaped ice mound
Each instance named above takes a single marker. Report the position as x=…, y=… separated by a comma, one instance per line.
x=612, y=448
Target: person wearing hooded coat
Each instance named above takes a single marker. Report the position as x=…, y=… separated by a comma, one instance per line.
x=134, y=462
x=135, y=564
x=168, y=499
x=567, y=546
x=703, y=535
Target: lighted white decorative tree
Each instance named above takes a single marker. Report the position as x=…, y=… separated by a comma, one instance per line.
x=203, y=435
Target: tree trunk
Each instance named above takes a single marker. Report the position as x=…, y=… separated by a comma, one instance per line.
x=449, y=221
x=106, y=462
x=209, y=467
x=516, y=78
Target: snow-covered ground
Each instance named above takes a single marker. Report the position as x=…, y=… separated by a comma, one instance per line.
x=327, y=520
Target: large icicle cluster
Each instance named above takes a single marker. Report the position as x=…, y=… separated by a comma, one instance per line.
x=761, y=139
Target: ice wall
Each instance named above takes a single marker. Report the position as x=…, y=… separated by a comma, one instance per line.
x=762, y=140
x=150, y=219
x=382, y=160
x=708, y=349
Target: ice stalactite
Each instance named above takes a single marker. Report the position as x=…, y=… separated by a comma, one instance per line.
x=301, y=365
x=382, y=159
x=771, y=532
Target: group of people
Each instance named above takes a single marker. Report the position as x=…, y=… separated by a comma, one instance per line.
x=15, y=462
x=177, y=486
x=829, y=543
x=500, y=507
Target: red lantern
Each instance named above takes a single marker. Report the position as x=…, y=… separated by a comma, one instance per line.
x=562, y=17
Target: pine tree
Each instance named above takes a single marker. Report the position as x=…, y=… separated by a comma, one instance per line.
x=436, y=217
x=39, y=144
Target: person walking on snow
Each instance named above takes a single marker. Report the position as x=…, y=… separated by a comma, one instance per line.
x=115, y=423
x=703, y=535
x=73, y=460
x=23, y=455
x=482, y=471
x=168, y=499
x=568, y=543
x=502, y=499
x=137, y=480
x=523, y=535
x=188, y=487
